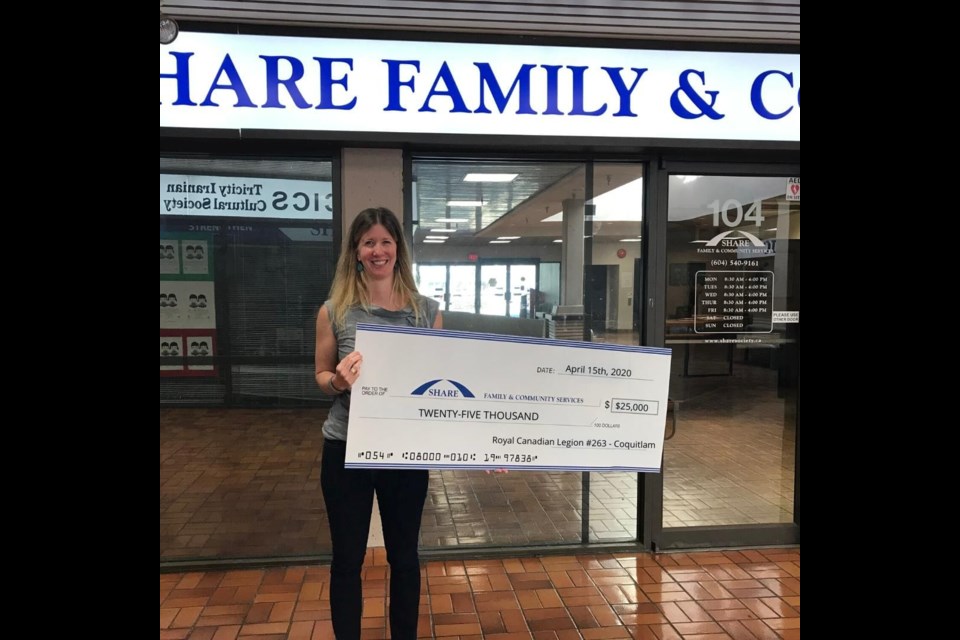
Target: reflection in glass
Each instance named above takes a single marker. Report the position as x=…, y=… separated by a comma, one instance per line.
x=271, y=276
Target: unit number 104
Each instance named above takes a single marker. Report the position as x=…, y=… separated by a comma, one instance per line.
x=732, y=213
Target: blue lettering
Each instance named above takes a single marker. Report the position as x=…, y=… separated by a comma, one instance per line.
x=236, y=85
x=290, y=84
x=327, y=81
x=756, y=99
x=444, y=393
x=578, y=109
x=182, y=76
x=394, y=83
x=553, y=93
x=622, y=90
x=489, y=80
x=687, y=89
x=452, y=91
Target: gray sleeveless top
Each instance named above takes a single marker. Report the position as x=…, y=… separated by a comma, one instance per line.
x=335, y=427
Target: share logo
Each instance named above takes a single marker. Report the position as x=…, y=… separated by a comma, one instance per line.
x=726, y=239
x=441, y=388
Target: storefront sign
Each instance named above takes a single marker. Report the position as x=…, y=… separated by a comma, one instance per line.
x=239, y=197
x=223, y=81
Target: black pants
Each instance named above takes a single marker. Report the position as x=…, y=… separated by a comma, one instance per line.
x=349, y=497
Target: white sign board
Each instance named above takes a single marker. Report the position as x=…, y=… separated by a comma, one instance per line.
x=231, y=81
x=786, y=316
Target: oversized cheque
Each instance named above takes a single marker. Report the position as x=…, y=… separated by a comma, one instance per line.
x=442, y=399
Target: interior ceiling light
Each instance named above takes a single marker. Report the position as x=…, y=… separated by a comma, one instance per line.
x=464, y=203
x=499, y=242
x=169, y=29
x=449, y=220
x=508, y=237
x=443, y=230
x=490, y=177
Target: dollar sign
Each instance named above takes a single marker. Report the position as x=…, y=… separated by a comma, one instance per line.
x=606, y=404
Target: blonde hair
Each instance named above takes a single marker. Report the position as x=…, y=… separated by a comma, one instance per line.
x=350, y=286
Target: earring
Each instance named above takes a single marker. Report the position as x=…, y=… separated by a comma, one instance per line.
x=359, y=267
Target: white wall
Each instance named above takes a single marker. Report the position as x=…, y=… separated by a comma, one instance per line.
x=606, y=253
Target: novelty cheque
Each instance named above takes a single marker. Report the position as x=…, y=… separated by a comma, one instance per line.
x=440, y=399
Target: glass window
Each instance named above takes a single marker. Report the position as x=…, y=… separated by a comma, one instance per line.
x=526, y=277
x=246, y=260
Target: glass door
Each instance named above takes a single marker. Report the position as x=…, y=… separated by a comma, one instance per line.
x=463, y=288
x=732, y=320
x=493, y=289
x=433, y=282
x=506, y=289
x=523, y=278
x=453, y=285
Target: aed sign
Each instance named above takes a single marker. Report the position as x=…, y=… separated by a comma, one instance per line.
x=229, y=81
x=793, y=189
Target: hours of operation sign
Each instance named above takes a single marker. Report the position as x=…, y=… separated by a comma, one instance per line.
x=734, y=302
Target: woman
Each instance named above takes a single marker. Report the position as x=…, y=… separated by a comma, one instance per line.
x=374, y=284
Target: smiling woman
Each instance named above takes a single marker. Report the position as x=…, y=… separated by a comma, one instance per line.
x=374, y=284
x=377, y=253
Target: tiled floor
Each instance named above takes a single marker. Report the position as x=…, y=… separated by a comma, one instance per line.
x=740, y=595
